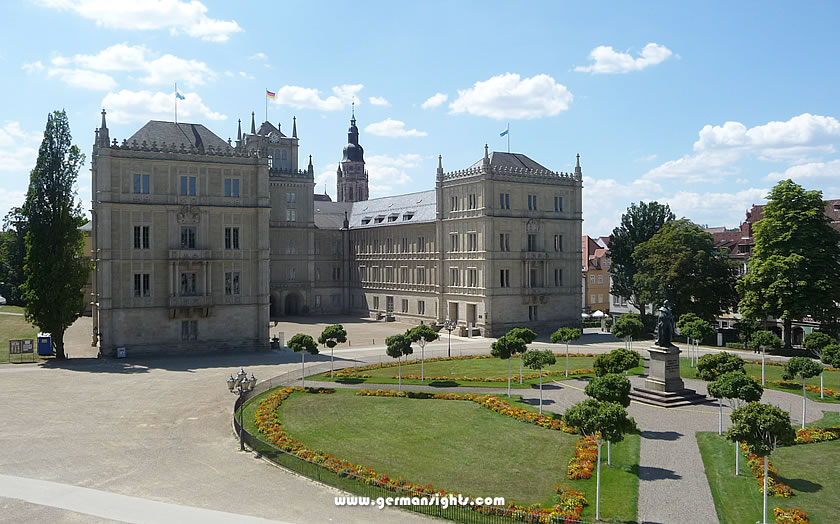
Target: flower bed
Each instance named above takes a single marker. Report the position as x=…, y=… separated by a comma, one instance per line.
x=529, y=376
x=570, y=502
x=795, y=385
x=584, y=459
x=354, y=372
x=809, y=435
x=490, y=402
x=791, y=516
x=756, y=464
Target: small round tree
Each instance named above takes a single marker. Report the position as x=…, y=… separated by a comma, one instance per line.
x=525, y=335
x=422, y=334
x=303, y=344
x=538, y=360
x=816, y=343
x=696, y=331
x=331, y=337
x=610, y=388
x=762, y=341
x=505, y=348
x=566, y=335
x=628, y=327
x=396, y=347
x=762, y=428
x=713, y=365
x=738, y=390
x=600, y=421
x=616, y=361
x=804, y=368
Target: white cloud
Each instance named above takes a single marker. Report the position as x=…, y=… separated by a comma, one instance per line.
x=715, y=208
x=246, y=76
x=326, y=176
x=141, y=106
x=605, y=199
x=18, y=148
x=379, y=101
x=258, y=56
x=435, y=100
x=310, y=98
x=810, y=170
x=387, y=171
x=647, y=158
x=703, y=167
x=392, y=128
x=176, y=15
x=84, y=79
x=508, y=96
x=605, y=59
x=163, y=70
x=33, y=67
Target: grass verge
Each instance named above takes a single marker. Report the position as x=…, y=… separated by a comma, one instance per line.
x=14, y=327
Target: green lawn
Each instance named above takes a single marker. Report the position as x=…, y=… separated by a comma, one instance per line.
x=13, y=327
x=457, y=446
x=11, y=309
x=809, y=469
x=774, y=372
x=479, y=368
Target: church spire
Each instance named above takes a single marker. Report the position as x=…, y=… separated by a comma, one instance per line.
x=239, y=130
x=253, y=124
x=102, y=134
x=294, y=127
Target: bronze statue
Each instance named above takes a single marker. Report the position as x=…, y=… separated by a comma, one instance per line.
x=665, y=326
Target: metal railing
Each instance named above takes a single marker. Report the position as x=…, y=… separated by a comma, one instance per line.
x=363, y=487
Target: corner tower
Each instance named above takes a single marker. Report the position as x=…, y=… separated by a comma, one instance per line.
x=351, y=177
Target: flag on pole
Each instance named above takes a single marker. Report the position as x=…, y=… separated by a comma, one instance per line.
x=507, y=129
x=269, y=94
x=178, y=95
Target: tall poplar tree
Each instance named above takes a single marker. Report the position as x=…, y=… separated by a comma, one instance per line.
x=55, y=268
x=794, y=269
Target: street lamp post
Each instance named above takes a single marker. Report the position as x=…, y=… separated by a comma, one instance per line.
x=240, y=385
x=449, y=326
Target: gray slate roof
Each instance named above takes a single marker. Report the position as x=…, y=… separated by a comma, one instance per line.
x=421, y=206
x=267, y=127
x=180, y=133
x=511, y=160
x=330, y=215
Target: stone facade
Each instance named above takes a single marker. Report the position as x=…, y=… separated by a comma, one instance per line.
x=493, y=246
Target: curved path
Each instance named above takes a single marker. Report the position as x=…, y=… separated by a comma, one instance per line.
x=158, y=432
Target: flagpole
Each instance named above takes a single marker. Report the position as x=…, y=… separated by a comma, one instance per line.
x=266, y=104
x=176, y=102
x=508, y=136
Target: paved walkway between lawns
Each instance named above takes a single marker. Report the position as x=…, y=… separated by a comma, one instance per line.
x=670, y=465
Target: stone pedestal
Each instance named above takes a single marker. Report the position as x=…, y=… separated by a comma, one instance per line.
x=664, y=374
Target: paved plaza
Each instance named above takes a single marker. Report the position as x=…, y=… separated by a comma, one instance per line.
x=150, y=439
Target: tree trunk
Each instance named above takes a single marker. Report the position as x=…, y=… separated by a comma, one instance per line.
x=422, y=364
x=788, y=333
x=399, y=374
x=58, y=344
x=804, y=398
x=737, y=459
x=720, y=420
x=766, y=462
x=303, y=368
x=822, y=390
x=609, y=454
x=567, y=359
x=598, y=485
x=763, y=354
x=332, y=355
x=520, y=370
x=540, y=391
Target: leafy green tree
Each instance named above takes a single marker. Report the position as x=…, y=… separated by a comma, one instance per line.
x=686, y=319
x=713, y=365
x=538, y=360
x=804, y=368
x=616, y=361
x=527, y=336
x=13, y=256
x=303, y=344
x=794, y=269
x=566, y=335
x=696, y=330
x=638, y=225
x=762, y=428
x=397, y=346
x=331, y=337
x=421, y=335
x=680, y=263
x=600, y=421
x=505, y=347
x=746, y=327
x=55, y=268
x=762, y=341
x=738, y=389
x=628, y=327
x=831, y=357
x=610, y=388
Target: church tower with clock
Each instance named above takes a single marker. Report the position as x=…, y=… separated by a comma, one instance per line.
x=351, y=177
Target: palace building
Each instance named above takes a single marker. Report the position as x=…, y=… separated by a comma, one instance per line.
x=199, y=242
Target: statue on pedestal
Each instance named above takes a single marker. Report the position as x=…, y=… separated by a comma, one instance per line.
x=665, y=326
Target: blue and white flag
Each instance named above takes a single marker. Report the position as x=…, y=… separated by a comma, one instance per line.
x=507, y=129
x=179, y=96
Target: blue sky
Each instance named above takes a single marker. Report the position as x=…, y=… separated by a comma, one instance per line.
x=701, y=105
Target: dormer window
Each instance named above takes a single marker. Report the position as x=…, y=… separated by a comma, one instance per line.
x=379, y=219
x=366, y=220
x=392, y=217
x=408, y=215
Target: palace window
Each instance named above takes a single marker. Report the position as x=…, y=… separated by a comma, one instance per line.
x=532, y=242
x=453, y=242
x=141, y=184
x=188, y=287
x=231, y=282
x=472, y=277
x=232, y=187
x=504, y=278
x=231, y=238
x=504, y=241
x=472, y=241
x=558, y=277
x=188, y=185
x=533, y=313
x=421, y=307
x=187, y=238
x=141, y=237
x=504, y=200
x=142, y=285
x=291, y=198
x=189, y=330
x=558, y=203
x=558, y=242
